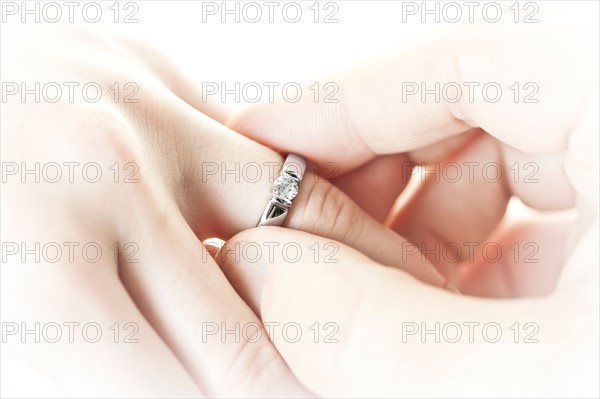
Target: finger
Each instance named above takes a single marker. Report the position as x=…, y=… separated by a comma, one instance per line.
x=322, y=209
x=376, y=116
x=217, y=177
x=375, y=187
x=88, y=336
x=85, y=333
x=460, y=201
x=540, y=181
x=475, y=184
x=529, y=260
x=129, y=357
x=182, y=292
x=241, y=169
x=371, y=313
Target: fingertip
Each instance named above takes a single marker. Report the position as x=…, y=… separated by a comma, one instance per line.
x=298, y=128
x=245, y=270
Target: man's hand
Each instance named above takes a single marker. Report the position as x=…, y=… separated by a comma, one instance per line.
x=371, y=133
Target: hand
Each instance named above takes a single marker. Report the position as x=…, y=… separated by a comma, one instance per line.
x=116, y=234
x=144, y=267
x=373, y=306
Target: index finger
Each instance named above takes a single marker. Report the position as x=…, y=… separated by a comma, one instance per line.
x=524, y=84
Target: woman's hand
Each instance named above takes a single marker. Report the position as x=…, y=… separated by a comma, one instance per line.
x=116, y=238
x=131, y=171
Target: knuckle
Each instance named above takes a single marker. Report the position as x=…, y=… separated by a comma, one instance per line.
x=328, y=212
x=265, y=362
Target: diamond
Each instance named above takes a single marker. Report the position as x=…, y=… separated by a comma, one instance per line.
x=285, y=188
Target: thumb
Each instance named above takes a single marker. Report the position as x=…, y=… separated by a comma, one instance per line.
x=348, y=326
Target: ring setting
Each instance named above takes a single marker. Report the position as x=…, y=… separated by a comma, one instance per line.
x=285, y=189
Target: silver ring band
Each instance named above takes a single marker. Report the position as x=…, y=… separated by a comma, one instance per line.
x=285, y=188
